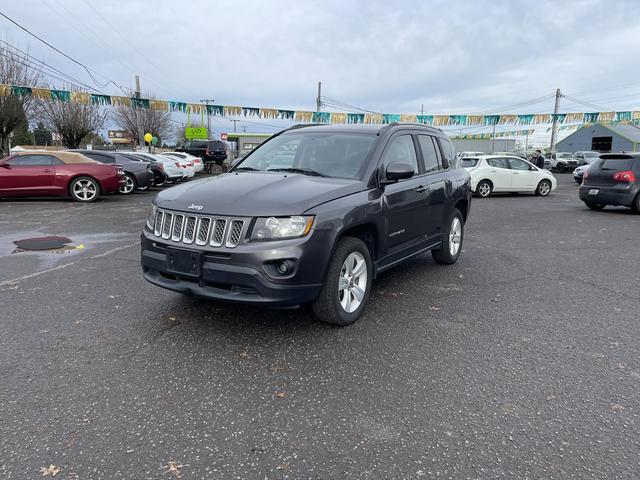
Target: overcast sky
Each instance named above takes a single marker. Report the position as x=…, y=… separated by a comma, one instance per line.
x=453, y=57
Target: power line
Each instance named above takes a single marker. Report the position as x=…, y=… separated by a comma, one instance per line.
x=29, y=58
x=62, y=53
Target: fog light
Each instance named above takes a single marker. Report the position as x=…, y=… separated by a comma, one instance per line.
x=283, y=268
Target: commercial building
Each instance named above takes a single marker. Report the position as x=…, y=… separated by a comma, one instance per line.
x=242, y=143
x=602, y=138
x=485, y=145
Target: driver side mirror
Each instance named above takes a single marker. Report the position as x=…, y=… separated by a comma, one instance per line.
x=398, y=171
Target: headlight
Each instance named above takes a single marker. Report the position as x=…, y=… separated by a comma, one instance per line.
x=151, y=218
x=278, y=228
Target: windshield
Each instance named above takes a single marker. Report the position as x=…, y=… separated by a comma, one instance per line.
x=469, y=162
x=564, y=155
x=591, y=155
x=339, y=155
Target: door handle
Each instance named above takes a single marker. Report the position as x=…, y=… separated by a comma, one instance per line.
x=422, y=189
x=46, y=170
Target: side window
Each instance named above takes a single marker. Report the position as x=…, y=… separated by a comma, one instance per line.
x=499, y=162
x=401, y=150
x=447, y=151
x=32, y=161
x=517, y=164
x=428, y=153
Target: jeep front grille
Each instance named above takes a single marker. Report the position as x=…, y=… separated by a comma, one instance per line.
x=199, y=229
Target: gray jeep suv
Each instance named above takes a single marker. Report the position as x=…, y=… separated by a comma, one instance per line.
x=311, y=216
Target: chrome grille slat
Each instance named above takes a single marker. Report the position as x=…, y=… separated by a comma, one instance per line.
x=157, y=227
x=217, y=234
x=178, y=223
x=235, y=232
x=200, y=230
x=189, y=230
x=167, y=223
x=204, y=223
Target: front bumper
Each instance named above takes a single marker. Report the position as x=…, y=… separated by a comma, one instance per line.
x=622, y=194
x=243, y=274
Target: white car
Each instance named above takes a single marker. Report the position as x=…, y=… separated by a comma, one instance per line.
x=497, y=173
x=174, y=170
x=198, y=164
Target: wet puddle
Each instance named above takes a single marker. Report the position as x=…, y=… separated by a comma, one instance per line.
x=50, y=244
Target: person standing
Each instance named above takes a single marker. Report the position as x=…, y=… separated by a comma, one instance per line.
x=538, y=159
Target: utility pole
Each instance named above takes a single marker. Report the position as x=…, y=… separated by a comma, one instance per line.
x=554, y=124
x=208, y=101
x=319, y=97
x=234, y=124
x=526, y=144
x=139, y=117
x=493, y=139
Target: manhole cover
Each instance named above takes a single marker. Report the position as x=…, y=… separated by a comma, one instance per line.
x=42, y=243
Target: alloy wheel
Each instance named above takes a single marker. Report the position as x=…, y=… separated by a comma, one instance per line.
x=544, y=188
x=128, y=186
x=85, y=190
x=455, y=236
x=352, y=282
x=484, y=189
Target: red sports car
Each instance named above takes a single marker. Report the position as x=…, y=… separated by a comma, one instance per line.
x=33, y=173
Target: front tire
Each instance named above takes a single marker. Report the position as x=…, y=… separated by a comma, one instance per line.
x=347, y=285
x=544, y=188
x=484, y=189
x=636, y=204
x=84, y=189
x=449, y=253
x=560, y=168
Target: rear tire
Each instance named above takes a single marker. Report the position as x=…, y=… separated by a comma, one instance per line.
x=332, y=305
x=84, y=189
x=544, y=188
x=449, y=253
x=484, y=189
x=595, y=206
x=636, y=204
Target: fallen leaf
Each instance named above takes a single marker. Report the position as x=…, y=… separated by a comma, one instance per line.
x=173, y=468
x=283, y=466
x=172, y=319
x=434, y=308
x=281, y=394
x=244, y=355
x=51, y=470
x=616, y=407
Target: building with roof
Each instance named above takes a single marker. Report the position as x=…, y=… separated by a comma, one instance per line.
x=602, y=138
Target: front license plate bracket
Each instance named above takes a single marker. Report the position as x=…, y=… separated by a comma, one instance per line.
x=184, y=262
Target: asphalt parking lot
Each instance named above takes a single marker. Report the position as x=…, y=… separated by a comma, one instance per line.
x=520, y=361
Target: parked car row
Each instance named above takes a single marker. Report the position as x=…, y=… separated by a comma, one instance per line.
x=84, y=175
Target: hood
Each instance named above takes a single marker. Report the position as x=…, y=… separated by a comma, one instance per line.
x=248, y=194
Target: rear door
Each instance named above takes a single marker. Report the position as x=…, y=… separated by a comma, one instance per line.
x=27, y=174
x=405, y=200
x=435, y=179
x=522, y=177
x=500, y=173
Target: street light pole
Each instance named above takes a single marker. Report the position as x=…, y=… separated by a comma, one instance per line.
x=208, y=101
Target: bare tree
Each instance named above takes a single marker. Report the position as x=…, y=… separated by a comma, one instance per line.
x=157, y=123
x=71, y=121
x=15, y=70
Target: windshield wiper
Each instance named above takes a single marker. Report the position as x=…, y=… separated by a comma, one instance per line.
x=246, y=169
x=304, y=171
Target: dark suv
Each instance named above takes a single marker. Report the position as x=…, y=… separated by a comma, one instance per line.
x=614, y=179
x=311, y=216
x=211, y=151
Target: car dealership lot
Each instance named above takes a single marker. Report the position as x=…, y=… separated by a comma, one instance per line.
x=519, y=361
